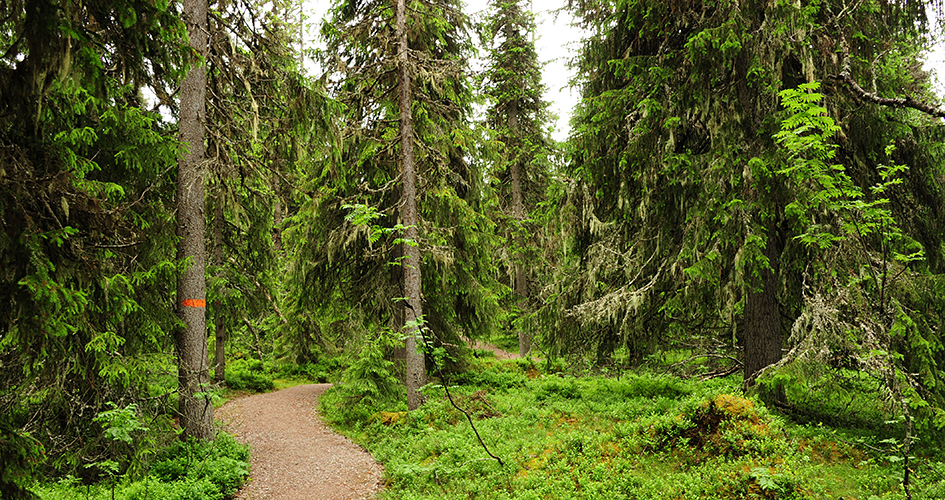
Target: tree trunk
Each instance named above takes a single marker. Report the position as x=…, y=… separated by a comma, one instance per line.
x=219, y=361
x=196, y=413
x=762, y=316
x=518, y=213
x=416, y=371
x=277, y=214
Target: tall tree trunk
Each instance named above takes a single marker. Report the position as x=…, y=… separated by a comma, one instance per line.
x=219, y=361
x=762, y=316
x=277, y=214
x=196, y=413
x=416, y=369
x=518, y=213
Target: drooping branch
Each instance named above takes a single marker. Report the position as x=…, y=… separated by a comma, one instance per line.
x=893, y=102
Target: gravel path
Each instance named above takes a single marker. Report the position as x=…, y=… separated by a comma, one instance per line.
x=295, y=456
x=499, y=353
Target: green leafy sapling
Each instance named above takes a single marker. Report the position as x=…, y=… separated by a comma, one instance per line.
x=832, y=211
x=119, y=425
x=364, y=215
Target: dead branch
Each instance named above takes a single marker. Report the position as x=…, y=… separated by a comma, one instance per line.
x=707, y=355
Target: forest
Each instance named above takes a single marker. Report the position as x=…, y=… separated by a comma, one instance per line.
x=728, y=281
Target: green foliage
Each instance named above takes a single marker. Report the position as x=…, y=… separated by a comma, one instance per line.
x=641, y=436
x=327, y=369
x=806, y=133
x=189, y=470
x=250, y=375
x=119, y=423
x=20, y=455
x=367, y=386
x=222, y=462
x=867, y=265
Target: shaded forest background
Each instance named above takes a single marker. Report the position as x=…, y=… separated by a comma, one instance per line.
x=754, y=185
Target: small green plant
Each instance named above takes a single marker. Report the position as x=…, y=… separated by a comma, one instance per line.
x=222, y=463
x=192, y=470
x=767, y=481
x=367, y=386
x=120, y=423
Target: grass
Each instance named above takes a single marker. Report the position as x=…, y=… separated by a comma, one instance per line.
x=639, y=436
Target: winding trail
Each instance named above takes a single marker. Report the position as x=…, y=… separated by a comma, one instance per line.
x=295, y=455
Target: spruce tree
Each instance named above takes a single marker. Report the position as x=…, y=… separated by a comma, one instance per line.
x=86, y=199
x=266, y=120
x=196, y=413
x=685, y=233
x=518, y=115
x=354, y=242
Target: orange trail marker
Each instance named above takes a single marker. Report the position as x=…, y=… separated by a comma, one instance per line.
x=194, y=303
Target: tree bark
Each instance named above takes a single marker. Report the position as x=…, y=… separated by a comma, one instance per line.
x=219, y=361
x=518, y=213
x=277, y=216
x=762, y=316
x=416, y=369
x=196, y=413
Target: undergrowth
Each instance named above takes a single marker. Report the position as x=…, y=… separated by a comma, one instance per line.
x=639, y=436
x=252, y=375
x=183, y=471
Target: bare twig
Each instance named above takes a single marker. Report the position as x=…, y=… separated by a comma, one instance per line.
x=446, y=387
x=722, y=374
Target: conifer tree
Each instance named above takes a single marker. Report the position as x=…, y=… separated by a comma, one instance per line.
x=351, y=276
x=685, y=233
x=265, y=120
x=86, y=196
x=518, y=115
x=413, y=312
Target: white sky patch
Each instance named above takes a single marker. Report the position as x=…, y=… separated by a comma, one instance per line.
x=935, y=59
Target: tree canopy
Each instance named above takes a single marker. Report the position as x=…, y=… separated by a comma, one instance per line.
x=759, y=184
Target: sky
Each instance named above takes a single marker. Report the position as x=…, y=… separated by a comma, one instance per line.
x=555, y=35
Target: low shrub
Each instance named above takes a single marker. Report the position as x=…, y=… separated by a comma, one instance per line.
x=367, y=386
x=249, y=375
x=558, y=387
x=192, y=470
x=324, y=371
x=223, y=462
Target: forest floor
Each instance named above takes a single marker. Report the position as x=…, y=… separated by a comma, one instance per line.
x=295, y=456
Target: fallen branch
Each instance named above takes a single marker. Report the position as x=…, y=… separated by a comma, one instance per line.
x=446, y=387
x=468, y=416
x=707, y=355
x=720, y=374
